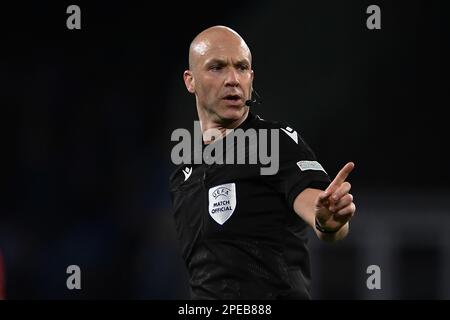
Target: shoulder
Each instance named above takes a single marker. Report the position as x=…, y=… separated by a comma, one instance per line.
x=284, y=127
x=290, y=138
x=259, y=122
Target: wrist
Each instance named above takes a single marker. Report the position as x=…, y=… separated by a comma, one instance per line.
x=325, y=230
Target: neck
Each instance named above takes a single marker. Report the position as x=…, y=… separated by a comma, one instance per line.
x=212, y=122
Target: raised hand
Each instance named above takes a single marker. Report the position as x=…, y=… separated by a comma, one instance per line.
x=334, y=207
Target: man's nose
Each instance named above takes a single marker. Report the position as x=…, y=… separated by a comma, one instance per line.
x=232, y=78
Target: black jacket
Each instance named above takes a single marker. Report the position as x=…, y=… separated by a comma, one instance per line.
x=239, y=235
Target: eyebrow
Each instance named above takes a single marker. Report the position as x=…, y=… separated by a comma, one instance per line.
x=216, y=61
x=224, y=62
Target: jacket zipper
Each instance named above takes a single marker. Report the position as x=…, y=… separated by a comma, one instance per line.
x=205, y=200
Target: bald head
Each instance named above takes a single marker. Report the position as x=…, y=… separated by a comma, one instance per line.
x=214, y=38
x=220, y=75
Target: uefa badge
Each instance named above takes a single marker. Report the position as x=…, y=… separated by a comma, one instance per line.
x=222, y=202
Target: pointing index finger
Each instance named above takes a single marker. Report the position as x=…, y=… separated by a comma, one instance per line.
x=341, y=176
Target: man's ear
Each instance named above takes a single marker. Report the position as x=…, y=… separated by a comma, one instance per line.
x=252, y=76
x=189, y=81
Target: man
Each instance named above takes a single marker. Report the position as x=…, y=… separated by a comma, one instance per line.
x=243, y=234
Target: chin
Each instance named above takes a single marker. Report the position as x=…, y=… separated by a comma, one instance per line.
x=232, y=113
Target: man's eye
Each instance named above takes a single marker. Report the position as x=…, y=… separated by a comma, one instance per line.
x=243, y=67
x=215, y=67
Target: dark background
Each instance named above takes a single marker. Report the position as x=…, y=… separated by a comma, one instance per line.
x=87, y=115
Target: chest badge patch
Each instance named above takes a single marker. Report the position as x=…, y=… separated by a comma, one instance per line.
x=222, y=202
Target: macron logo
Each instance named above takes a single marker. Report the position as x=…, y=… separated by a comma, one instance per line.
x=187, y=172
x=291, y=133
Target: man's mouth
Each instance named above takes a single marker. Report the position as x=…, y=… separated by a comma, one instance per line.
x=232, y=97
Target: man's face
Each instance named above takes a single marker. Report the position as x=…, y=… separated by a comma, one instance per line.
x=222, y=78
